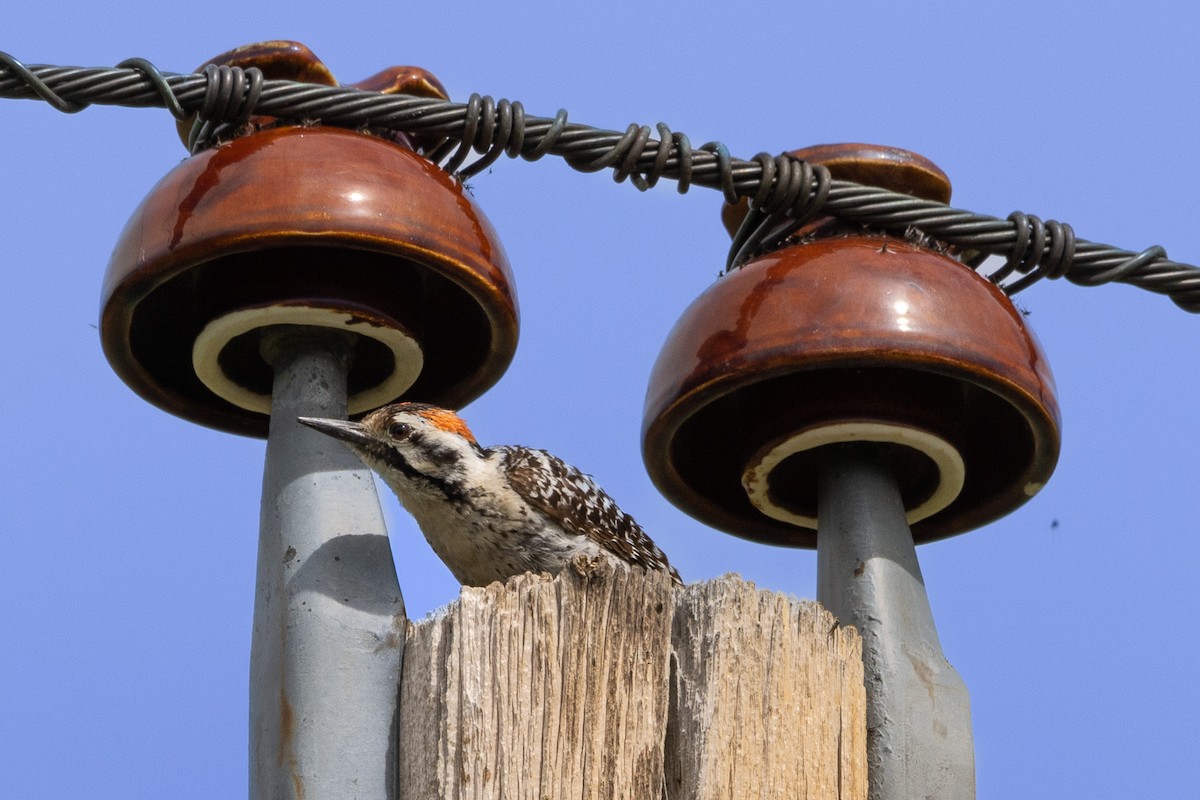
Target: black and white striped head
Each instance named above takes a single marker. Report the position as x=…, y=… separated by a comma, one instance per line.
x=415, y=447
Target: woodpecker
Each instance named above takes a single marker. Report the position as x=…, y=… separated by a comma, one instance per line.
x=491, y=512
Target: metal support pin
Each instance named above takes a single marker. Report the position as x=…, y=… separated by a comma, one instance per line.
x=919, y=742
x=328, y=615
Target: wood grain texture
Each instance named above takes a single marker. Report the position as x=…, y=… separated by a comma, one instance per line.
x=605, y=683
x=767, y=698
x=540, y=688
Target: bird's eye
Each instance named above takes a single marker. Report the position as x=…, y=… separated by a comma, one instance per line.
x=399, y=430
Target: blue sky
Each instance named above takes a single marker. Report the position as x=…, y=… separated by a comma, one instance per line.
x=130, y=535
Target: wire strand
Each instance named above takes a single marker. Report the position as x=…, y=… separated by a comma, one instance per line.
x=783, y=191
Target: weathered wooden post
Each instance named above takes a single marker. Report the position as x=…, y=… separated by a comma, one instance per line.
x=860, y=392
x=288, y=270
x=614, y=684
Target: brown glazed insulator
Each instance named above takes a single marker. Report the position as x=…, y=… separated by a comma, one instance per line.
x=307, y=225
x=854, y=336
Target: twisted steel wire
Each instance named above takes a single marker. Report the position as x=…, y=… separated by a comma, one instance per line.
x=784, y=191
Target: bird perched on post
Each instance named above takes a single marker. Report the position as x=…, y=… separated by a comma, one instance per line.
x=491, y=512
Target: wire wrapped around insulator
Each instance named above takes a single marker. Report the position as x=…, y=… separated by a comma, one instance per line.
x=1041, y=250
x=494, y=128
x=1019, y=253
x=786, y=199
x=230, y=97
x=471, y=124
x=501, y=134
x=752, y=230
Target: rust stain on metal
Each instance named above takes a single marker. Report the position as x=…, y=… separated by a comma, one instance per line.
x=287, y=728
x=297, y=782
x=924, y=674
x=287, y=724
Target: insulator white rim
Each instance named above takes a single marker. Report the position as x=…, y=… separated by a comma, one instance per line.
x=949, y=463
x=406, y=352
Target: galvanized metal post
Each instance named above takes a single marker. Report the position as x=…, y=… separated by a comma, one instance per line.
x=919, y=742
x=329, y=618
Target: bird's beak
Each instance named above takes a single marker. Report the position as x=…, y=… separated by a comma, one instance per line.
x=349, y=432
